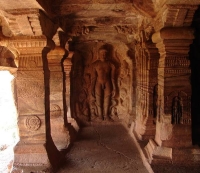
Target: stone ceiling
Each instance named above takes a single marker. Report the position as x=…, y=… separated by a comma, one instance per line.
x=81, y=17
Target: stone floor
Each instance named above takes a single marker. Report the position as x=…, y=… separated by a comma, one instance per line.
x=109, y=148
x=104, y=148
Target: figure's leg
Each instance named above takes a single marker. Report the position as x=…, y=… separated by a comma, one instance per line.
x=106, y=105
x=107, y=101
x=99, y=100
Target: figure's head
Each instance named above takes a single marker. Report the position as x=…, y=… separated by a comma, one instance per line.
x=102, y=54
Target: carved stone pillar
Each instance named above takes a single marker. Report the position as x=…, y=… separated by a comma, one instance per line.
x=59, y=133
x=174, y=89
x=35, y=149
x=67, y=69
x=173, y=125
x=152, y=90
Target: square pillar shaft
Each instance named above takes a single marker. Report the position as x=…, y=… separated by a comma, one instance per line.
x=35, y=149
x=58, y=117
x=173, y=80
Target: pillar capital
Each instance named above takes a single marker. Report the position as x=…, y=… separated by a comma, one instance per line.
x=55, y=53
x=173, y=33
x=54, y=58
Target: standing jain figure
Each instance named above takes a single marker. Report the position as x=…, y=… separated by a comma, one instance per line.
x=103, y=86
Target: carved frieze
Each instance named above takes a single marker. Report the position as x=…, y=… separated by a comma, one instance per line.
x=175, y=61
x=177, y=71
x=78, y=30
x=30, y=62
x=29, y=43
x=126, y=29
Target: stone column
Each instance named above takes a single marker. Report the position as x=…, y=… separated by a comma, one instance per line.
x=35, y=150
x=67, y=68
x=152, y=90
x=173, y=125
x=59, y=132
x=71, y=122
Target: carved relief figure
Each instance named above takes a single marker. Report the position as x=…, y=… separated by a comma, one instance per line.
x=124, y=87
x=124, y=78
x=155, y=100
x=103, y=86
x=177, y=107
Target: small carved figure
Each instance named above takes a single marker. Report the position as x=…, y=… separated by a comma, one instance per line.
x=103, y=86
x=124, y=78
x=176, y=110
x=155, y=100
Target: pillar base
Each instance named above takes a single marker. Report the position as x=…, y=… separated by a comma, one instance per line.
x=34, y=157
x=157, y=153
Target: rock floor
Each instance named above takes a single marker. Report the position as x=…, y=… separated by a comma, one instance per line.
x=109, y=148
x=104, y=148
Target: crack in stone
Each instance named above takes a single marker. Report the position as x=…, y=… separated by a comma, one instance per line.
x=108, y=148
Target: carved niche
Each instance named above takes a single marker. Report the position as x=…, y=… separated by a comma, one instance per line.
x=178, y=106
x=101, y=82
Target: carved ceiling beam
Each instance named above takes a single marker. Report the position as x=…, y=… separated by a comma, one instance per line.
x=175, y=15
x=93, y=8
x=9, y=24
x=27, y=22
x=26, y=44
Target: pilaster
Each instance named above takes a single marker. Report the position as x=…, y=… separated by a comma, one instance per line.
x=152, y=90
x=67, y=69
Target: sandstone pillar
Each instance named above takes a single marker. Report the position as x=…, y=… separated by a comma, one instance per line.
x=35, y=150
x=152, y=90
x=67, y=68
x=173, y=124
x=59, y=132
x=71, y=123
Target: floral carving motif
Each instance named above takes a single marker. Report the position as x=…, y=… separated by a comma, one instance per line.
x=33, y=123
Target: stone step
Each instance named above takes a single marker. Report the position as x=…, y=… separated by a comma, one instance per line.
x=190, y=156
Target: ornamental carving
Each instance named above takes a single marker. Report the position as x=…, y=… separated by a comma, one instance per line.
x=125, y=29
x=32, y=123
x=177, y=61
x=30, y=62
x=78, y=30
x=55, y=111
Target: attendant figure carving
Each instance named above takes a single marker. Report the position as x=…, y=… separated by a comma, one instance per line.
x=177, y=110
x=155, y=101
x=103, y=84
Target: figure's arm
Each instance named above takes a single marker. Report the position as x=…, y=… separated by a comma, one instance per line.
x=113, y=80
x=93, y=81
